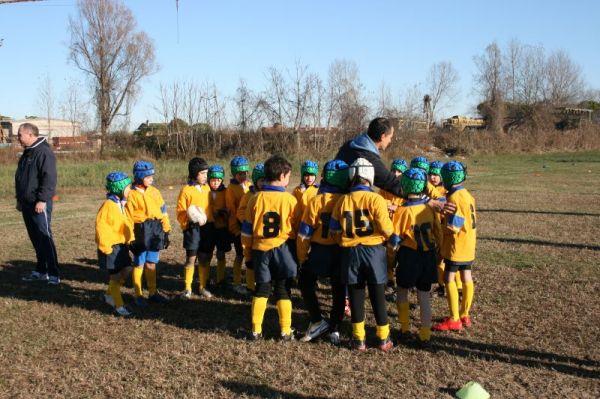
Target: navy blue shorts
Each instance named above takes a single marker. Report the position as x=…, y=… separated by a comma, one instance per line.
x=323, y=261
x=149, y=235
x=118, y=259
x=191, y=237
x=274, y=264
x=363, y=264
x=457, y=266
x=416, y=269
x=211, y=238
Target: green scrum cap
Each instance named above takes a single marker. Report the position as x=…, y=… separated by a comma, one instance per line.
x=413, y=181
x=435, y=168
x=309, y=168
x=216, y=172
x=239, y=164
x=399, y=165
x=421, y=163
x=335, y=173
x=453, y=172
x=116, y=182
x=258, y=172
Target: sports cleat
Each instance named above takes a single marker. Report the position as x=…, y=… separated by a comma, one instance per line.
x=286, y=337
x=334, y=338
x=386, y=345
x=141, y=302
x=53, y=280
x=358, y=345
x=315, y=330
x=108, y=299
x=448, y=325
x=347, y=311
x=158, y=298
x=186, y=295
x=123, y=311
x=205, y=293
x=466, y=321
x=36, y=276
x=254, y=336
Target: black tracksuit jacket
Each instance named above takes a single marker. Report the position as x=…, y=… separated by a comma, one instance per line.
x=35, y=179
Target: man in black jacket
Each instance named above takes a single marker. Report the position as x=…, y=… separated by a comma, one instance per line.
x=35, y=184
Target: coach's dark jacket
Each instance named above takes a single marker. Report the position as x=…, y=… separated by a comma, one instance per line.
x=363, y=147
x=35, y=179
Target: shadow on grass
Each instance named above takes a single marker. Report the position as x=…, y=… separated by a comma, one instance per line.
x=541, y=242
x=529, y=358
x=261, y=390
x=501, y=210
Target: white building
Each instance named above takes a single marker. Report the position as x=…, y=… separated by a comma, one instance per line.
x=48, y=128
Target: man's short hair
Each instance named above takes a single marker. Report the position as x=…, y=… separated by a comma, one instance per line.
x=378, y=127
x=275, y=167
x=33, y=129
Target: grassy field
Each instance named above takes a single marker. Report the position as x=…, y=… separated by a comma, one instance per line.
x=536, y=312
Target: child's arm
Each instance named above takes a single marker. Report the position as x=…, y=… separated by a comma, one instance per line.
x=247, y=231
x=165, y=216
x=181, y=210
x=455, y=222
x=104, y=232
x=305, y=232
x=231, y=205
x=381, y=217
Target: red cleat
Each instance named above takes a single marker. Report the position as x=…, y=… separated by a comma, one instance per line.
x=466, y=321
x=448, y=325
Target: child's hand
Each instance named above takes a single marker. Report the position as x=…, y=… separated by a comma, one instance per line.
x=449, y=208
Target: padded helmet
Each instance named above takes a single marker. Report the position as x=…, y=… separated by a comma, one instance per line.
x=216, y=172
x=195, y=166
x=435, y=168
x=421, y=163
x=413, y=181
x=399, y=165
x=453, y=172
x=142, y=169
x=116, y=182
x=258, y=172
x=309, y=168
x=239, y=164
x=362, y=168
x=335, y=173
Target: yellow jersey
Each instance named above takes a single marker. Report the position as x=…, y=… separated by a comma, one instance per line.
x=304, y=194
x=271, y=218
x=418, y=226
x=218, y=207
x=193, y=194
x=233, y=195
x=144, y=203
x=112, y=225
x=460, y=234
x=241, y=212
x=432, y=191
x=362, y=218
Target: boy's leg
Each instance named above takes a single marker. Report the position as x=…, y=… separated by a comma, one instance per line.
x=425, y=309
x=204, y=270
x=468, y=292
x=403, y=309
x=150, y=274
x=356, y=292
x=378, y=303
x=306, y=283
x=220, y=267
x=452, y=294
x=237, y=263
x=188, y=271
x=259, y=306
x=250, y=281
x=338, y=297
x=284, y=307
x=138, y=272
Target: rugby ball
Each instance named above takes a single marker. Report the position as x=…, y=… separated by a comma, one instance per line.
x=196, y=215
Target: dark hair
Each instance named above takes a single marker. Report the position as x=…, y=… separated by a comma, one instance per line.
x=378, y=127
x=33, y=129
x=276, y=166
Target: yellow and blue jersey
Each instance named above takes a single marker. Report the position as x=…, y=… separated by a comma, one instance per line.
x=304, y=194
x=233, y=195
x=361, y=218
x=432, y=191
x=272, y=217
x=417, y=226
x=241, y=212
x=218, y=207
x=193, y=194
x=146, y=203
x=112, y=225
x=460, y=234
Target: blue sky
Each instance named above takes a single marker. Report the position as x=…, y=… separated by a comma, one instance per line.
x=223, y=41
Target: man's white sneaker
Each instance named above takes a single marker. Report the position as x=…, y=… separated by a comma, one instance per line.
x=315, y=330
x=334, y=338
x=123, y=311
x=186, y=295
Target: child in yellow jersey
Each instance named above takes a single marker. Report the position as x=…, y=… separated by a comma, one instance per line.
x=420, y=233
x=318, y=253
x=272, y=215
x=361, y=220
x=308, y=188
x=423, y=163
x=233, y=195
x=114, y=233
x=458, y=247
x=219, y=237
x=193, y=214
x=258, y=179
x=148, y=211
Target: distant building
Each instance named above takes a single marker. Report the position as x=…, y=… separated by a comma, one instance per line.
x=48, y=128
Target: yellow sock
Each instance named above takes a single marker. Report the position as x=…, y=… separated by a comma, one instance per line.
x=284, y=309
x=114, y=287
x=382, y=332
x=467, y=298
x=440, y=273
x=136, y=276
x=459, y=284
x=220, y=270
x=188, y=277
x=151, y=280
x=452, y=298
x=250, y=279
x=403, y=316
x=425, y=334
x=203, y=276
x=259, y=306
x=237, y=272
x=358, y=331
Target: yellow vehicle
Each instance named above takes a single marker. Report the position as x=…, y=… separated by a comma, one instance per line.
x=460, y=123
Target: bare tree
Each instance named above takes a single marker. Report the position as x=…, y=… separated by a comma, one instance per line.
x=490, y=85
x=105, y=45
x=564, y=81
x=348, y=105
x=442, y=82
x=46, y=101
x=73, y=105
x=529, y=83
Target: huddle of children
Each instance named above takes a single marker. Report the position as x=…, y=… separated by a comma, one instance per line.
x=340, y=229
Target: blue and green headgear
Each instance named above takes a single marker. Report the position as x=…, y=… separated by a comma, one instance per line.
x=435, y=168
x=239, y=164
x=453, y=172
x=309, y=168
x=413, y=181
x=142, y=169
x=399, y=165
x=216, y=172
x=335, y=173
x=421, y=163
x=258, y=172
x=116, y=183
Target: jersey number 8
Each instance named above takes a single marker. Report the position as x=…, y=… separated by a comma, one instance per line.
x=271, y=224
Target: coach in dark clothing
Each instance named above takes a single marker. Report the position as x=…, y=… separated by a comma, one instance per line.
x=35, y=183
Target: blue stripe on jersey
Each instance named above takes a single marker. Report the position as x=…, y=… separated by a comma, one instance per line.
x=163, y=208
x=456, y=221
x=455, y=189
x=335, y=226
x=305, y=230
x=442, y=199
x=326, y=188
x=267, y=187
x=113, y=198
x=247, y=228
x=421, y=201
x=394, y=240
x=360, y=187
